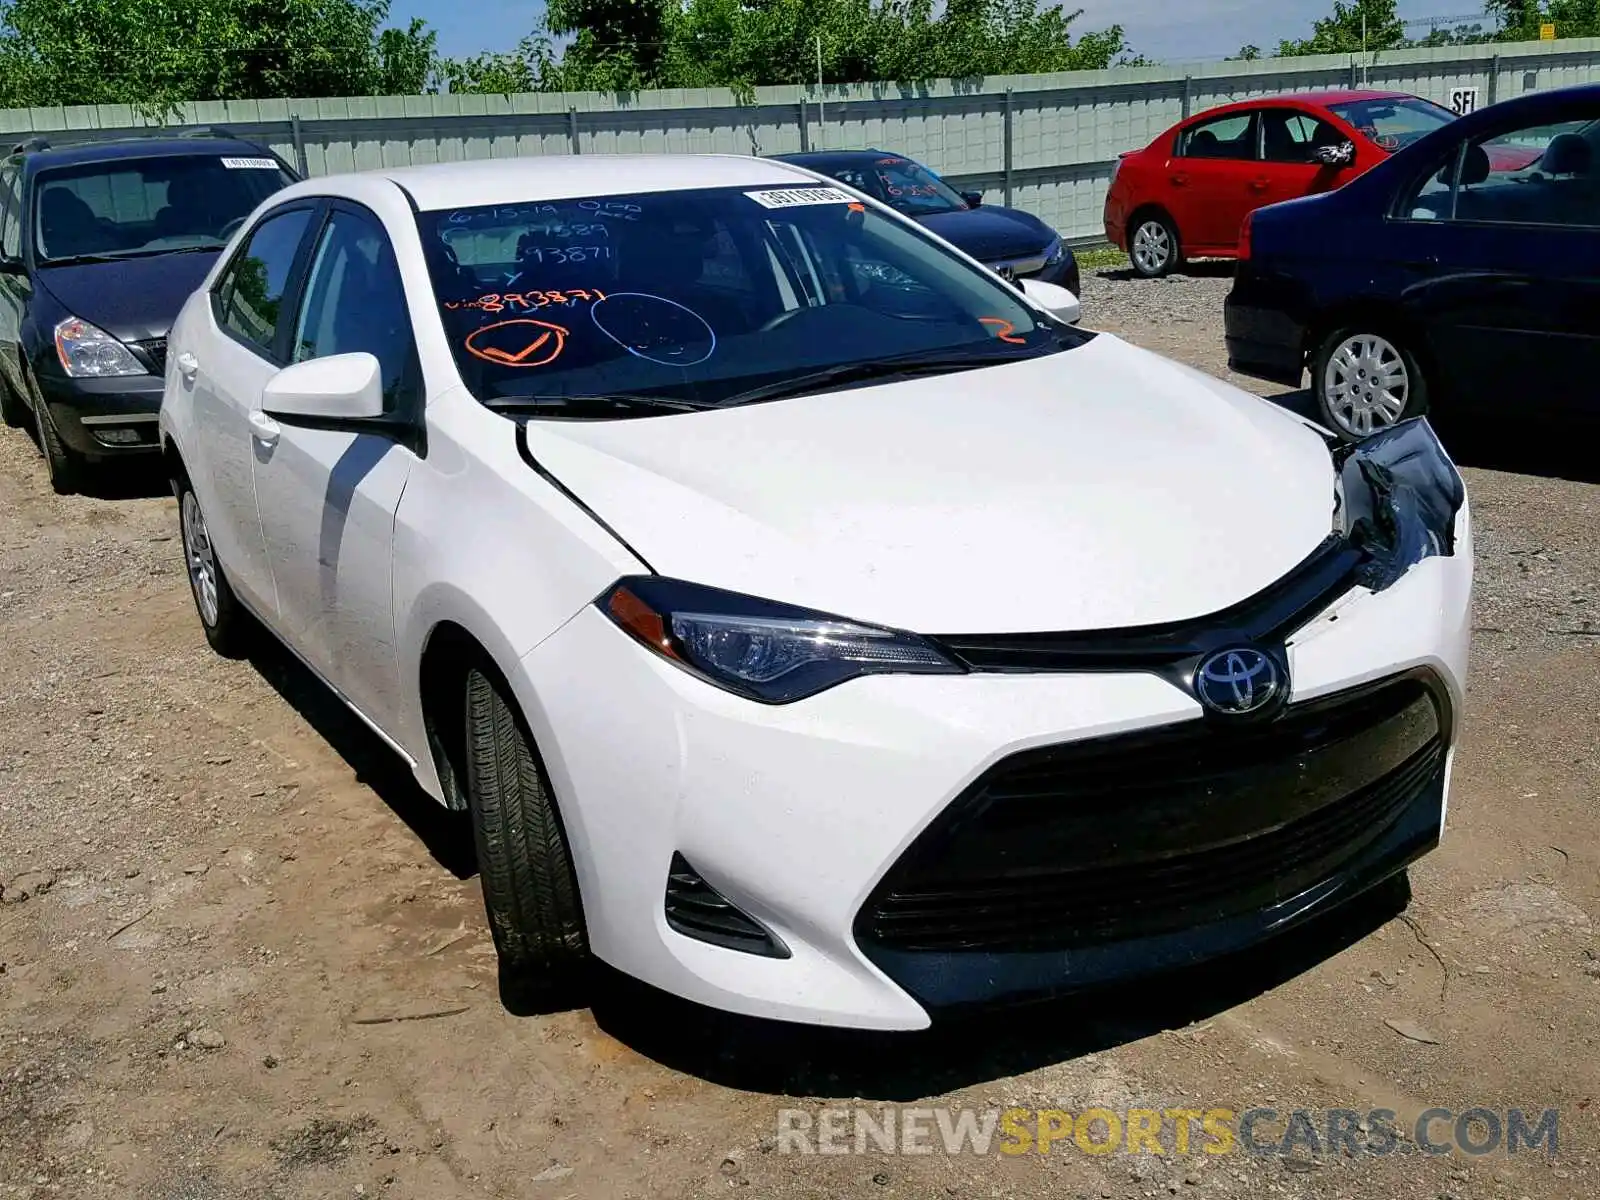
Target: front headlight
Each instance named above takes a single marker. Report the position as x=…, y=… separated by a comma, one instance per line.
x=1396, y=500
x=763, y=651
x=89, y=352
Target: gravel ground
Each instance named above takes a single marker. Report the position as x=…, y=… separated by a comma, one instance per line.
x=242, y=956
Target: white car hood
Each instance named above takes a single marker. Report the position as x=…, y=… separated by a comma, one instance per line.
x=1098, y=488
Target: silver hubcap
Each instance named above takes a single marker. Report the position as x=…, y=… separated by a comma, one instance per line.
x=1151, y=246
x=1366, y=385
x=202, y=561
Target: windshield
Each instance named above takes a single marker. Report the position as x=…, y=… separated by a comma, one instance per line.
x=137, y=206
x=703, y=296
x=1393, y=123
x=911, y=187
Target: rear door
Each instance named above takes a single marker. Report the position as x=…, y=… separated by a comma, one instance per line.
x=328, y=495
x=1507, y=266
x=1213, y=180
x=14, y=287
x=1289, y=169
x=228, y=367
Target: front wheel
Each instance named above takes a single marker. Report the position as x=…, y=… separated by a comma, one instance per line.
x=65, y=464
x=530, y=890
x=1154, y=246
x=1365, y=382
x=224, y=619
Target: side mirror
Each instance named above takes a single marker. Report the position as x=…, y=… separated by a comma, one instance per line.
x=341, y=387
x=1057, y=301
x=1340, y=154
x=973, y=199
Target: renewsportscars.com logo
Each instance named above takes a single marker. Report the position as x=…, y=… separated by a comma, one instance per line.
x=1377, y=1133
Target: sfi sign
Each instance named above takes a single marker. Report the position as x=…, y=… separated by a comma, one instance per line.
x=1463, y=100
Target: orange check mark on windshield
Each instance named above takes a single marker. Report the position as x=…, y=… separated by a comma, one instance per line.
x=519, y=348
x=504, y=356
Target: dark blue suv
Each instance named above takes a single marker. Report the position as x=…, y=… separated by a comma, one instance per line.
x=1461, y=275
x=100, y=245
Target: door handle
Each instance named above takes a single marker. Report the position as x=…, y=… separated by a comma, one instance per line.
x=263, y=428
x=1260, y=185
x=1180, y=180
x=188, y=365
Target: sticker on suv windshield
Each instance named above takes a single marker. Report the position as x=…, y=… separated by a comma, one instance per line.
x=250, y=164
x=798, y=197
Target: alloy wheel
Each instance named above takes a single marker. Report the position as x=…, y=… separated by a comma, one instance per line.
x=202, y=560
x=1152, y=247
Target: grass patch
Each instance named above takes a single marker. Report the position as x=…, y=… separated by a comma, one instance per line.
x=1099, y=257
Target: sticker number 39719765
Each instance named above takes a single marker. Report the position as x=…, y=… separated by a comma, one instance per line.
x=800, y=197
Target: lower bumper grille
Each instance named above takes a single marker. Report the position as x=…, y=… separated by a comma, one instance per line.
x=1148, y=834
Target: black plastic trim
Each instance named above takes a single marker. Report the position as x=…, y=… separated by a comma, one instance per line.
x=697, y=910
x=1174, y=648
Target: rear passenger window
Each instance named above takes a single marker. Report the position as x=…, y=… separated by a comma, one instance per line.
x=250, y=293
x=1233, y=136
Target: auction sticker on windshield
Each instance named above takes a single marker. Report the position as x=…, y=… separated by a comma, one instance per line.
x=797, y=197
x=250, y=164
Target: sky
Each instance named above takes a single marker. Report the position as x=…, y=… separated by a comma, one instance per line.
x=1167, y=30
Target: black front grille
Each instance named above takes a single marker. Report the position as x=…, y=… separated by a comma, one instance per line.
x=1270, y=615
x=155, y=353
x=696, y=909
x=1151, y=833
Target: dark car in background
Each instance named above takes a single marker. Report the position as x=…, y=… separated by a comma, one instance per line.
x=1016, y=244
x=100, y=245
x=1449, y=278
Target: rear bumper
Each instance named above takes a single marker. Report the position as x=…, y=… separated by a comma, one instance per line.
x=1264, y=340
x=102, y=418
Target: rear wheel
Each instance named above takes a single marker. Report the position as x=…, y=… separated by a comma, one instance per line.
x=529, y=887
x=1154, y=245
x=1366, y=381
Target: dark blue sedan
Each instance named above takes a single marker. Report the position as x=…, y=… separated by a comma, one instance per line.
x=1009, y=241
x=1462, y=274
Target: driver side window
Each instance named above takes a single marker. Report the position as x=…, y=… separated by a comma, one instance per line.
x=250, y=293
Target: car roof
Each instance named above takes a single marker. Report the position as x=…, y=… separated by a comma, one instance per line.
x=813, y=158
x=1319, y=99
x=567, y=176
x=80, y=153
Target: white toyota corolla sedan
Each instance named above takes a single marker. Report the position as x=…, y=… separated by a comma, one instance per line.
x=815, y=625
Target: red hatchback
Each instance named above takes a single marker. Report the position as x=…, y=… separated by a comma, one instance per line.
x=1187, y=193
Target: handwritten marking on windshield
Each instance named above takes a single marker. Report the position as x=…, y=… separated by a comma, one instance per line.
x=1004, y=330
x=522, y=343
x=528, y=301
x=655, y=329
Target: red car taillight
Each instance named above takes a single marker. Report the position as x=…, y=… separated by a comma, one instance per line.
x=1244, y=236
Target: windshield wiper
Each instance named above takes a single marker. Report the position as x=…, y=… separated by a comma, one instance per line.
x=863, y=372
x=78, y=260
x=562, y=404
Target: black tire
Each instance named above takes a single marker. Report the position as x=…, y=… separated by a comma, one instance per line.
x=529, y=887
x=230, y=627
x=1166, y=233
x=67, y=467
x=1342, y=397
x=13, y=409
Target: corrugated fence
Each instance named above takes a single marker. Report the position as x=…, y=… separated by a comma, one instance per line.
x=1046, y=142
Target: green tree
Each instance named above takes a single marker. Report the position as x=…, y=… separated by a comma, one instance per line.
x=1520, y=19
x=1358, y=25
x=157, y=53
x=1248, y=53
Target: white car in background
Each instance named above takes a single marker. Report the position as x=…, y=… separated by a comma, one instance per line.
x=815, y=625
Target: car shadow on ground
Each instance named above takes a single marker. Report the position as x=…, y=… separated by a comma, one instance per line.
x=446, y=835
x=1210, y=268
x=791, y=1060
x=1548, y=449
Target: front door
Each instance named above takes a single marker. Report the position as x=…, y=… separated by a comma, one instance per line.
x=1289, y=169
x=1508, y=266
x=328, y=496
x=1213, y=181
x=227, y=370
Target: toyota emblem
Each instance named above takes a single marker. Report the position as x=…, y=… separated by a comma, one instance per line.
x=1239, y=681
